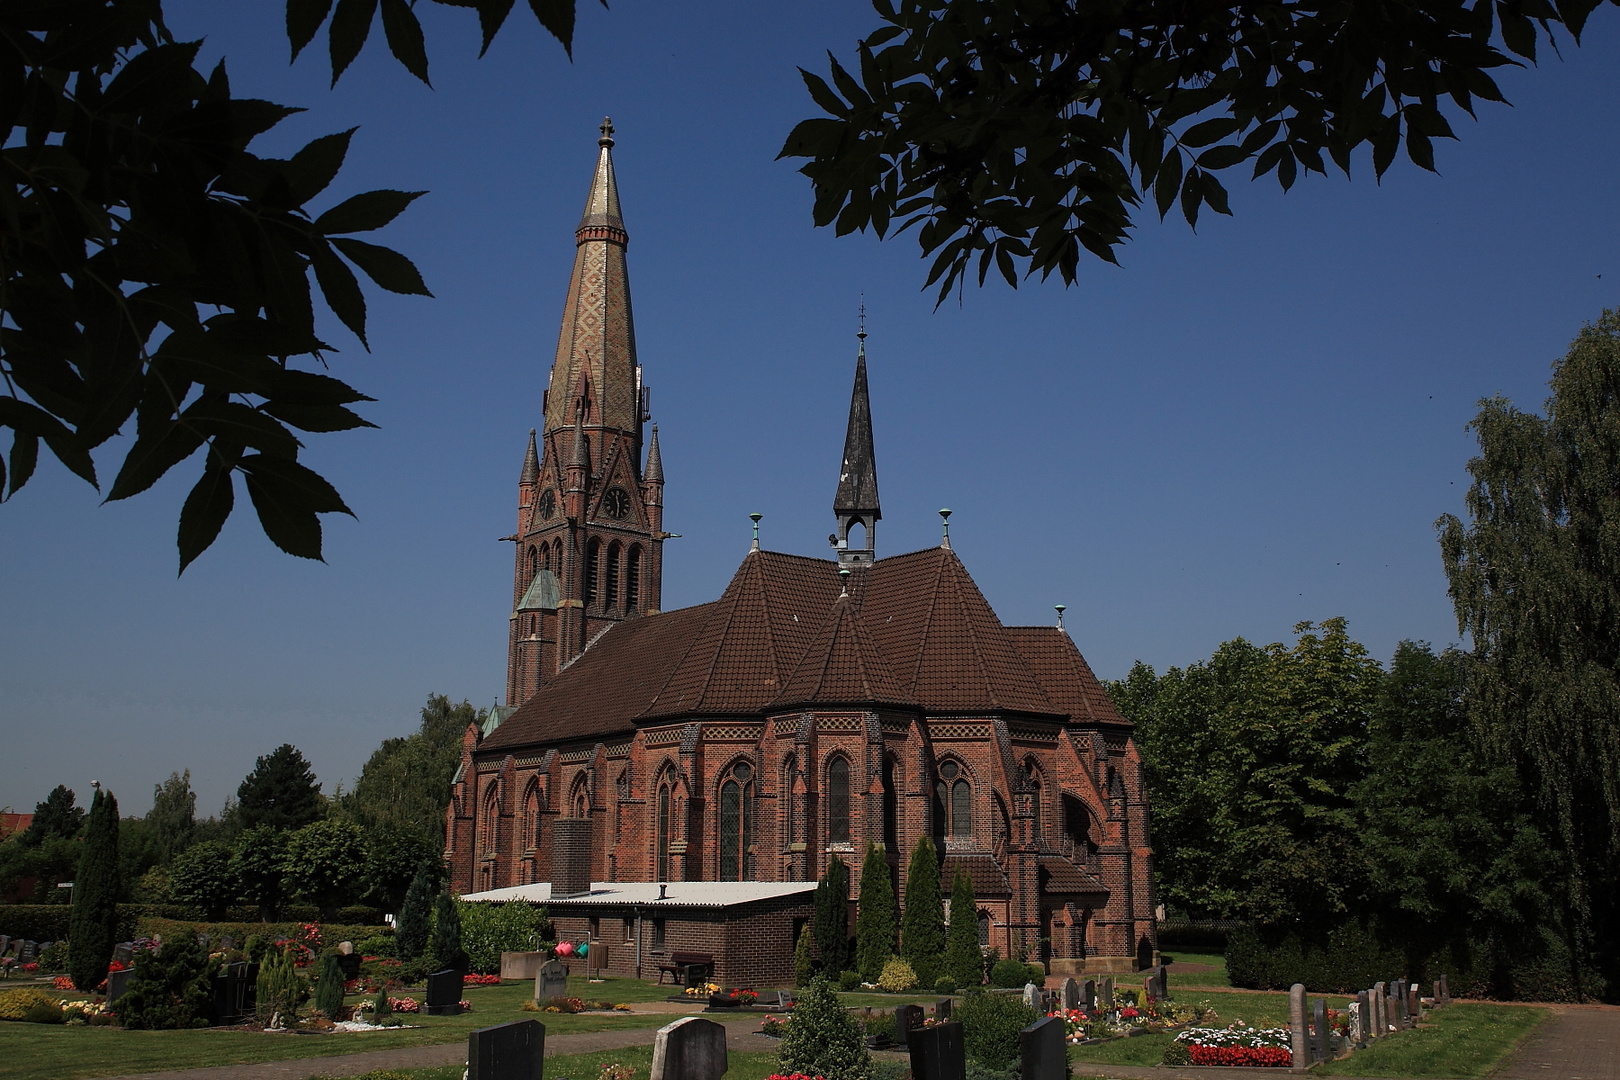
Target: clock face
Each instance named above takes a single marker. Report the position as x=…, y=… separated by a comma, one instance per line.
x=548, y=504
x=616, y=503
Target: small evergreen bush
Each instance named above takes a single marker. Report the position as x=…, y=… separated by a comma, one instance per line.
x=922, y=927
x=823, y=1039
x=964, y=961
x=170, y=989
x=1009, y=974
x=874, y=916
x=377, y=945
x=990, y=1027
x=831, y=923
x=281, y=989
x=93, y=924
x=945, y=984
x=329, y=986
x=849, y=980
x=897, y=977
x=444, y=941
x=804, y=963
x=22, y=1004
x=416, y=916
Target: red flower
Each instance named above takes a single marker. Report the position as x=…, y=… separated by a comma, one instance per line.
x=1265, y=1057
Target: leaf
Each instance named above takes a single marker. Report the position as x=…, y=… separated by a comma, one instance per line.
x=367, y=211
x=241, y=425
x=1209, y=131
x=314, y=167
x=36, y=423
x=491, y=16
x=304, y=17
x=1191, y=196
x=288, y=496
x=557, y=16
x=1221, y=157
x=316, y=417
x=1168, y=182
x=24, y=457
x=351, y=25
x=823, y=94
x=342, y=292
x=155, y=452
x=1419, y=149
x=205, y=510
x=405, y=37
x=1518, y=32
x=811, y=138
x=149, y=77
x=388, y=268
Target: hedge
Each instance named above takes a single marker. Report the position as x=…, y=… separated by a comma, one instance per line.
x=331, y=933
x=1197, y=935
x=49, y=922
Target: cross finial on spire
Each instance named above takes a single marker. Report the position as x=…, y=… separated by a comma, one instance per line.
x=754, y=517
x=1060, y=609
x=945, y=520
x=607, y=132
x=861, y=333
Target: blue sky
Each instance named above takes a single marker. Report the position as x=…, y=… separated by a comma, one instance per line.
x=1237, y=430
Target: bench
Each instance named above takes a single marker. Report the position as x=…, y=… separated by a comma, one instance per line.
x=679, y=967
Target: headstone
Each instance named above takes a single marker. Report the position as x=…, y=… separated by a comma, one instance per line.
x=512, y=1051
x=550, y=981
x=349, y=964
x=907, y=1018
x=1032, y=996
x=1380, y=1022
x=234, y=993
x=26, y=952
x=124, y=952
x=117, y=983
x=1322, y=1042
x=1392, y=1013
x=5, y=943
x=1088, y=995
x=1298, y=1038
x=345, y=948
x=1359, y=1019
x=521, y=965
x=204, y=940
x=786, y=999
x=1105, y=994
x=943, y=1009
x=1442, y=991
x=443, y=993
x=1042, y=1053
x=936, y=1053
x=1414, y=1004
x=691, y=1048
x=229, y=942
x=1071, y=995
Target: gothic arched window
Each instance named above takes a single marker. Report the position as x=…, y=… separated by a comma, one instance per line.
x=534, y=563
x=632, y=578
x=838, y=801
x=953, y=802
x=1034, y=775
x=984, y=928
x=736, y=821
x=613, y=573
x=531, y=818
x=891, y=807
x=593, y=556
x=491, y=823
x=662, y=853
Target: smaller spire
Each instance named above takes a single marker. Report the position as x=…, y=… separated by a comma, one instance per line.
x=577, y=458
x=655, y=460
x=945, y=520
x=531, y=462
x=754, y=517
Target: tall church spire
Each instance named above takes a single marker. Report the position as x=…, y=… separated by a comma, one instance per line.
x=856, y=502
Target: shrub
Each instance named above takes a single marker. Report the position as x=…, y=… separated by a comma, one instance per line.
x=329, y=986
x=1037, y=974
x=487, y=930
x=1009, y=974
x=381, y=1010
x=281, y=989
x=1208, y=935
x=880, y=1024
x=990, y=1027
x=831, y=922
x=55, y=958
x=170, y=988
x=897, y=977
x=18, y=1004
x=202, y=877
x=963, y=960
x=804, y=963
x=874, y=916
x=416, y=916
x=444, y=940
x=93, y=925
x=945, y=984
x=849, y=980
x=35, y=922
x=824, y=1040
x=922, y=927
x=1176, y=1054
x=377, y=945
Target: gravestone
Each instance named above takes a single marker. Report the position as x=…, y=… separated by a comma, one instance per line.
x=691, y=1048
x=1088, y=995
x=521, y=965
x=942, y=1009
x=1380, y=1022
x=443, y=993
x=1105, y=994
x=349, y=965
x=785, y=999
x=1042, y=1054
x=1071, y=995
x=117, y=983
x=1442, y=991
x=936, y=1053
x=1392, y=1013
x=1414, y=1004
x=512, y=1051
x=235, y=992
x=5, y=943
x=550, y=981
x=124, y=952
x=227, y=942
x=1298, y=1038
x=26, y=952
x=1359, y=1020
x=1032, y=996
x=1322, y=1042
x=907, y=1018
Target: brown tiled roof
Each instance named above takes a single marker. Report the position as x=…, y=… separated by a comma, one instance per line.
x=843, y=665
x=1064, y=674
x=602, y=692
x=1062, y=876
x=989, y=881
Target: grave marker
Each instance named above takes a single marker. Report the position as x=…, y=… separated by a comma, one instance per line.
x=1359, y=1020
x=1031, y=995
x=1380, y=1025
x=691, y=1048
x=118, y=983
x=907, y=1018
x=785, y=999
x=1414, y=1004
x=1323, y=1042
x=124, y=952
x=1041, y=1050
x=936, y=1053
x=1298, y=1038
x=1071, y=995
x=512, y=1051
x=1105, y=994
x=550, y=981
x=1088, y=995
x=5, y=943
x=443, y=993
x=521, y=965
x=1442, y=992
x=942, y=1009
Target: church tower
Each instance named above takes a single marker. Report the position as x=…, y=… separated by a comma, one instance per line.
x=856, y=502
x=590, y=515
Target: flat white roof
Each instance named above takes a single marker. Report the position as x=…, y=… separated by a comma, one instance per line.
x=645, y=893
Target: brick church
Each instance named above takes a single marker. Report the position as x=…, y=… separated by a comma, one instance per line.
x=690, y=773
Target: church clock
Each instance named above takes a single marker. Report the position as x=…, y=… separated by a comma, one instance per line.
x=616, y=503
x=548, y=505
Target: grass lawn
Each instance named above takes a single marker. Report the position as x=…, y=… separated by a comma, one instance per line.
x=49, y=1052
x=1256, y=1010
x=886, y=1002
x=1462, y=1040
x=743, y=1066
x=1198, y=978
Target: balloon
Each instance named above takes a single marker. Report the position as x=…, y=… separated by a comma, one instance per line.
x=565, y=948
x=584, y=948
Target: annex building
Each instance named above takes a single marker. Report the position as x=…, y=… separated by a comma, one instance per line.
x=678, y=780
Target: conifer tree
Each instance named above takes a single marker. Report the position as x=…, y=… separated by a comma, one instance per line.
x=93, y=923
x=964, y=963
x=922, y=928
x=281, y=791
x=444, y=943
x=329, y=987
x=415, y=917
x=874, y=916
x=804, y=963
x=823, y=1039
x=832, y=918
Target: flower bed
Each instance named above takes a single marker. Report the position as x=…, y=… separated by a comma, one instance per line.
x=480, y=980
x=1236, y=1046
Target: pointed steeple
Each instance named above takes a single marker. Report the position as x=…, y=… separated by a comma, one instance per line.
x=856, y=501
x=531, y=462
x=655, y=460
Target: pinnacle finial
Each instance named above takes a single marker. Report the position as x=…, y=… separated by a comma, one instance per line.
x=843, y=578
x=945, y=520
x=607, y=132
x=861, y=333
x=754, y=517
x=1060, y=608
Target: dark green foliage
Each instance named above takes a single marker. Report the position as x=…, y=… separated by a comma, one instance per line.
x=173, y=817
x=1532, y=577
x=963, y=961
x=392, y=856
x=849, y=980
x=804, y=961
x=324, y=862
x=381, y=1010
x=990, y=1026
x=405, y=784
x=170, y=988
x=280, y=792
x=257, y=864
x=1019, y=134
x=93, y=926
x=281, y=989
x=874, y=916
x=329, y=986
x=1009, y=974
x=202, y=877
x=59, y=815
x=54, y=859
x=416, y=915
x=1351, y=959
x=1202, y=935
x=444, y=942
x=823, y=1039
x=922, y=927
x=831, y=922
